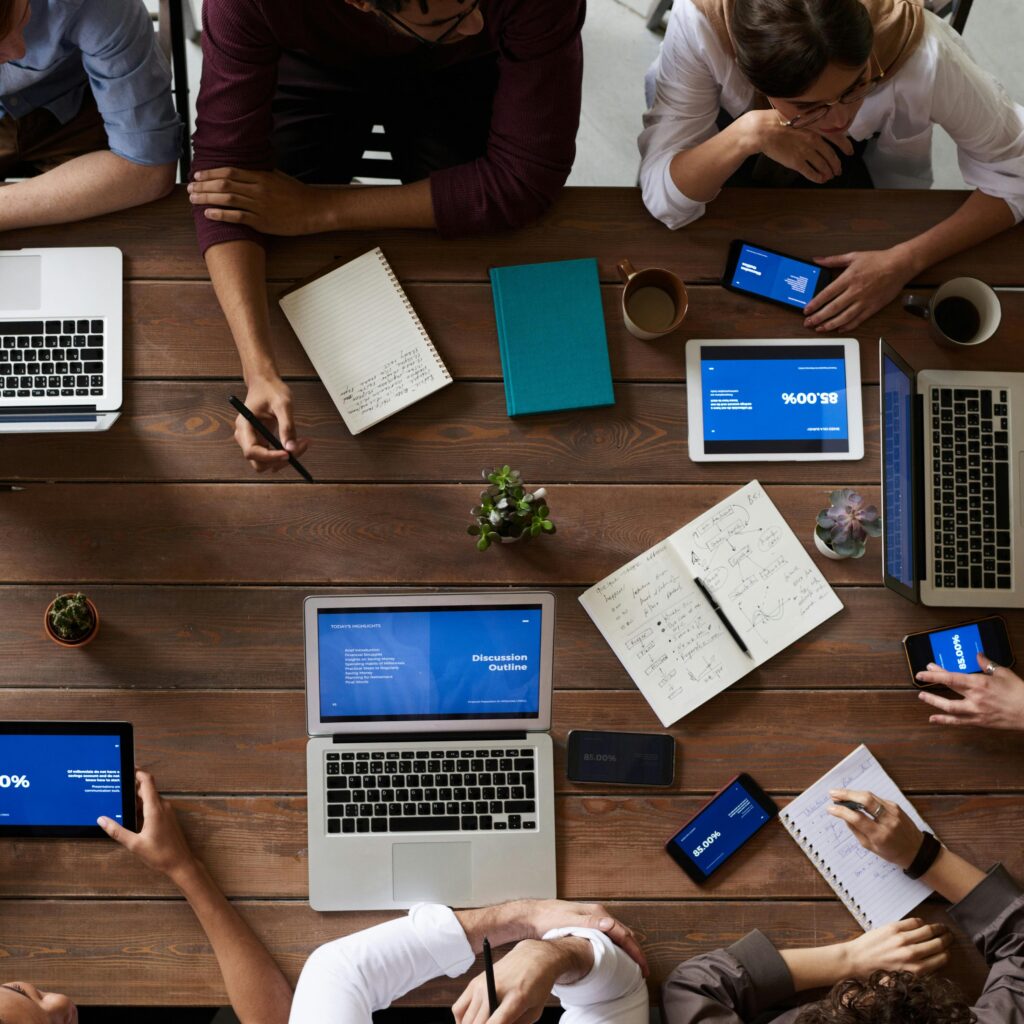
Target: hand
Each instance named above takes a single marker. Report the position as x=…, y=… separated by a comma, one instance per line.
x=269, y=201
x=270, y=400
x=993, y=702
x=523, y=979
x=893, y=836
x=160, y=844
x=869, y=281
x=800, y=149
x=909, y=945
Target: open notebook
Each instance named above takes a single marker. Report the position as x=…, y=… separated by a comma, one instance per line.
x=365, y=340
x=873, y=890
x=665, y=631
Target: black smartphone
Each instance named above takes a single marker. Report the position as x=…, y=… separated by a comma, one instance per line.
x=622, y=758
x=773, y=276
x=955, y=648
x=734, y=814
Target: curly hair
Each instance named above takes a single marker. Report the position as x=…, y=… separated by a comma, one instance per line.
x=891, y=997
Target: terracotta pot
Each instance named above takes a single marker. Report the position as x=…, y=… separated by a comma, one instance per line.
x=825, y=549
x=88, y=638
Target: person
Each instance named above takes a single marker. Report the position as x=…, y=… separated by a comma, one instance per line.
x=590, y=960
x=85, y=110
x=885, y=975
x=480, y=102
x=993, y=699
x=819, y=92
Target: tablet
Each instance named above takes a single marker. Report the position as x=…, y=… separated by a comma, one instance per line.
x=774, y=400
x=57, y=778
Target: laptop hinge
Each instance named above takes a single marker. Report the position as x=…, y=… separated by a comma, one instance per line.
x=41, y=411
x=920, y=527
x=425, y=737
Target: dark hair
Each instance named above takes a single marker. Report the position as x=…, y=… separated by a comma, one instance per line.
x=394, y=6
x=891, y=997
x=783, y=46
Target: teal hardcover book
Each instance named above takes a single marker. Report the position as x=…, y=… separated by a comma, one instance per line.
x=554, y=350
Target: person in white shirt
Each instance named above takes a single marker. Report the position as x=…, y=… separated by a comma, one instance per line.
x=802, y=84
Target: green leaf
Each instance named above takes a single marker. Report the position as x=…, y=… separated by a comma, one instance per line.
x=473, y=531
x=483, y=544
x=548, y=526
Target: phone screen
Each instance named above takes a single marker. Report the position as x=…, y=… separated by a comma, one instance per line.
x=642, y=759
x=957, y=649
x=772, y=276
x=721, y=828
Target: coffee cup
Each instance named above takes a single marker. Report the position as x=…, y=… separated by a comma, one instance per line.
x=960, y=313
x=654, y=301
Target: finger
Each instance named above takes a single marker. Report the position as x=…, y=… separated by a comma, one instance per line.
x=909, y=924
x=929, y=948
x=860, y=824
x=930, y=965
x=147, y=789
x=959, y=681
x=235, y=199
x=816, y=170
x=949, y=707
x=842, y=260
x=116, y=832
x=826, y=295
x=286, y=427
x=848, y=318
x=831, y=309
x=230, y=216
x=462, y=1004
x=843, y=142
x=920, y=931
x=948, y=720
x=264, y=457
x=829, y=155
x=998, y=671
x=622, y=937
x=249, y=177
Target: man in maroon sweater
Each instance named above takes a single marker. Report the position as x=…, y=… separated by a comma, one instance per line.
x=480, y=100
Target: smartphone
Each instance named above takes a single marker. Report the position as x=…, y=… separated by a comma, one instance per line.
x=734, y=814
x=955, y=648
x=622, y=758
x=773, y=276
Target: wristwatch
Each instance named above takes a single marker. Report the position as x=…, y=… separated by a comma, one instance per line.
x=926, y=856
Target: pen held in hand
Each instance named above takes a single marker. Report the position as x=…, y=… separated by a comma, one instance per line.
x=274, y=442
x=492, y=992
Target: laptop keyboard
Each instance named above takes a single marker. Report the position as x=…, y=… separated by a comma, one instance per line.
x=450, y=790
x=971, y=488
x=51, y=358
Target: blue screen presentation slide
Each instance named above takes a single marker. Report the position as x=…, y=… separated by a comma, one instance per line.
x=775, y=277
x=430, y=664
x=721, y=829
x=957, y=650
x=897, y=474
x=770, y=398
x=59, y=780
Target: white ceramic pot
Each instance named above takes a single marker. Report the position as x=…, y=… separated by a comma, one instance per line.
x=825, y=549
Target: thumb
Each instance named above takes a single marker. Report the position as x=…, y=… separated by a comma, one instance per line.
x=835, y=261
x=116, y=832
x=285, y=425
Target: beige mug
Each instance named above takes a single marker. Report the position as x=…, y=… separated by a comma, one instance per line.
x=654, y=301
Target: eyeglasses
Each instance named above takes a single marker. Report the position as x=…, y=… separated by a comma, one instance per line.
x=856, y=92
x=443, y=37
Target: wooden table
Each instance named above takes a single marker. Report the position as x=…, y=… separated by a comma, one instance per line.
x=199, y=569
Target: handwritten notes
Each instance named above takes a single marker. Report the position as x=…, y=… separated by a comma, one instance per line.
x=873, y=890
x=365, y=340
x=664, y=630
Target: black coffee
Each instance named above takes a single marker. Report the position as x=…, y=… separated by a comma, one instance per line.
x=957, y=318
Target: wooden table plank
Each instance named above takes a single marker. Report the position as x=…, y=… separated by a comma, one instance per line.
x=378, y=534
x=199, y=741
x=209, y=637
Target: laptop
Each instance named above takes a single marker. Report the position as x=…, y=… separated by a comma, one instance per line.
x=60, y=339
x=429, y=770
x=952, y=442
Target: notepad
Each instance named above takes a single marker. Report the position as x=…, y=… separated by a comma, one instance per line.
x=873, y=890
x=551, y=336
x=365, y=340
x=665, y=631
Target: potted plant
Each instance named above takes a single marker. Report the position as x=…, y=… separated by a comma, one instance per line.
x=843, y=528
x=507, y=511
x=71, y=620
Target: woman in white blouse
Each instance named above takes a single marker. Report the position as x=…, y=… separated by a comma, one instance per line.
x=800, y=86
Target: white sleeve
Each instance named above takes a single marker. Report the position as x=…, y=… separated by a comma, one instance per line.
x=682, y=112
x=344, y=981
x=614, y=992
x=984, y=122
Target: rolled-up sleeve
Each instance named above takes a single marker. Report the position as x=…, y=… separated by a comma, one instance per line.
x=130, y=80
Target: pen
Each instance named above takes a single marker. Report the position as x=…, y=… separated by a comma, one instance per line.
x=492, y=992
x=725, y=619
x=267, y=436
x=854, y=806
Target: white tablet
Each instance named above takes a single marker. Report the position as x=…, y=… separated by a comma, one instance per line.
x=769, y=400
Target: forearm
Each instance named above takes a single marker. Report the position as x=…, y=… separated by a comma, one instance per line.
x=951, y=876
x=700, y=173
x=500, y=925
x=258, y=991
x=817, y=966
x=358, y=207
x=87, y=186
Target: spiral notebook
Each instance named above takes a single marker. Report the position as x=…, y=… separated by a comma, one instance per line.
x=365, y=340
x=873, y=890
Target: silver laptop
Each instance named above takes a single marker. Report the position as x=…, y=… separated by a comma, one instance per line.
x=60, y=339
x=952, y=441
x=429, y=773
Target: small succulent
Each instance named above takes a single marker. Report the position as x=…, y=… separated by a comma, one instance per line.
x=507, y=509
x=71, y=617
x=847, y=523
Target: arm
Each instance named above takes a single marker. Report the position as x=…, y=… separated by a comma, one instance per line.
x=257, y=989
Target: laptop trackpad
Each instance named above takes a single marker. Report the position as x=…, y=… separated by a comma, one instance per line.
x=432, y=872
x=21, y=282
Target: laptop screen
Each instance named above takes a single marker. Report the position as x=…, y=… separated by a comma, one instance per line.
x=438, y=663
x=898, y=473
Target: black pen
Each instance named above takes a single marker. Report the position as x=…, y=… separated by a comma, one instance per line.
x=854, y=806
x=268, y=436
x=725, y=619
x=492, y=992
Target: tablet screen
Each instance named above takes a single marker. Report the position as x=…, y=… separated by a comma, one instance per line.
x=774, y=398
